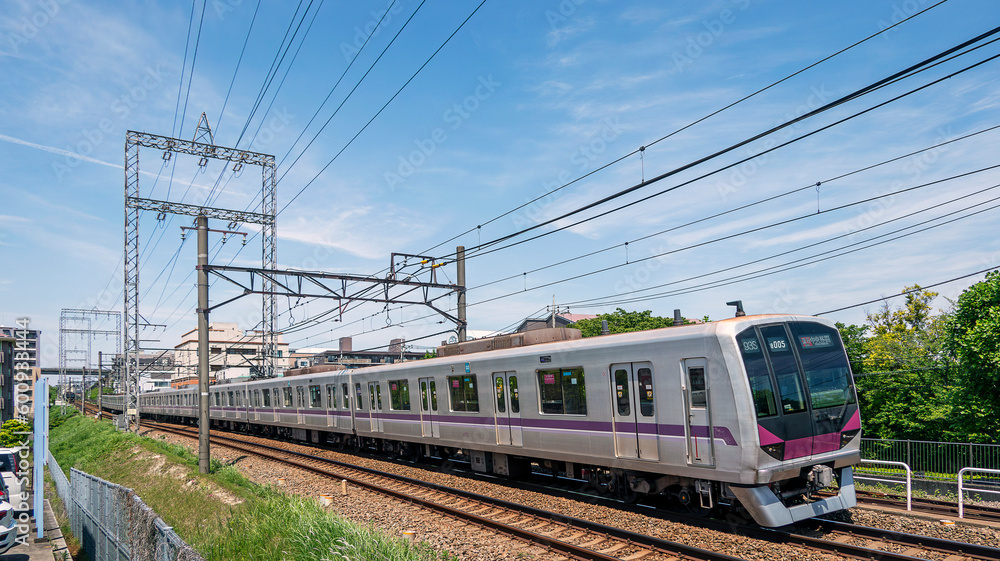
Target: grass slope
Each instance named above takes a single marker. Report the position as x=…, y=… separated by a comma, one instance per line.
x=222, y=515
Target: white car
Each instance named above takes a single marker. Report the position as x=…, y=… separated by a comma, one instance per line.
x=8, y=527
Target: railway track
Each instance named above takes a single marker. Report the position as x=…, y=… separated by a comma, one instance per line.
x=931, y=506
x=580, y=539
x=560, y=535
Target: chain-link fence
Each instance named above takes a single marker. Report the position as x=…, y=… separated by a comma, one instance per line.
x=113, y=524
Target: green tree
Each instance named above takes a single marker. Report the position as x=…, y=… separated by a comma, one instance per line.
x=902, y=369
x=974, y=341
x=8, y=436
x=621, y=321
x=854, y=337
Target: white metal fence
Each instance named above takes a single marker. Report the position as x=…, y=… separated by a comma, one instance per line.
x=932, y=460
x=112, y=523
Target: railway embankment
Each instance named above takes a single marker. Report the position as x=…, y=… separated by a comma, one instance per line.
x=223, y=515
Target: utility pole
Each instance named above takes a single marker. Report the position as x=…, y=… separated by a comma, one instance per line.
x=203, y=451
x=460, y=265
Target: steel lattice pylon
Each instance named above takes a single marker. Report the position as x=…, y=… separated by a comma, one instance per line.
x=81, y=322
x=133, y=204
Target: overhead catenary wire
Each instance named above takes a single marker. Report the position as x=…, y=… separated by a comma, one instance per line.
x=811, y=185
x=691, y=124
x=798, y=263
x=906, y=292
x=481, y=249
x=386, y=104
x=822, y=60
x=337, y=83
x=752, y=275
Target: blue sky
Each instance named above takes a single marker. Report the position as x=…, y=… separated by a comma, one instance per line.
x=525, y=97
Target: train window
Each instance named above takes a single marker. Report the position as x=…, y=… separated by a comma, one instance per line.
x=755, y=364
x=245, y=400
x=239, y=399
x=217, y=399
x=824, y=364
x=563, y=391
x=786, y=369
x=266, y=394
x=434, y=396
x=515, y=400
x=331, y=396
x=464, y=393
x=300, y=395
x=423, y=395
x=286, y=394
x=378, y=395
x=232, y=399
x=645, y=392
x=622, y=392
x=360, y=399
x=501, y=402
x=347, y=396
x=696, y=387
x=399, y=395
x=315, y=397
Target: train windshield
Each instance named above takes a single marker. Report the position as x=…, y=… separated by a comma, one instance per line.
x=824, y=364
x=777, y=363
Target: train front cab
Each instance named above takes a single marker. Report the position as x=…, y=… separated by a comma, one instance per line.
x=808, y=421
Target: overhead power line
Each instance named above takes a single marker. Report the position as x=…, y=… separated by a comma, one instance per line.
x=905, y=292
x=478, y=250
x=689, y=125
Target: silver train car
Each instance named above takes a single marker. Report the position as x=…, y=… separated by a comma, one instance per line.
x=756, y=411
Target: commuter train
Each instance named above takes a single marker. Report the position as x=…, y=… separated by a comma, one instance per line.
x=757, y=411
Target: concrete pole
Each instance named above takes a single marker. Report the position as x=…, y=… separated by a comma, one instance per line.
x=460, y=264
x=203, y=421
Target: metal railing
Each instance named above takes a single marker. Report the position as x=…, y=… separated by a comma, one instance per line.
x=112, y=523
x=962, y=488
x=933, y=460
x=909, y=478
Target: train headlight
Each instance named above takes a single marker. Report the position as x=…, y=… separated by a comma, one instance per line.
x=847, y=436
x=776, y=451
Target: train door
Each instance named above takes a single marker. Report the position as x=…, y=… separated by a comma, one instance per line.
x=375, y=406
x=635, y=428
x=331, y=404
x=256, y=405
x=429, y=425
x=300, y=404
x=346, y=421
x=698, y=423
x=508, y=409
